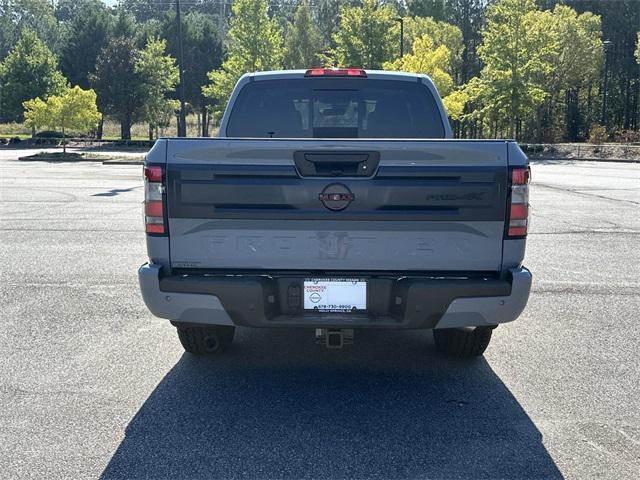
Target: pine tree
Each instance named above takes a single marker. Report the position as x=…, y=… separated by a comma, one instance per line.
x=303, y=44
x=119, y=87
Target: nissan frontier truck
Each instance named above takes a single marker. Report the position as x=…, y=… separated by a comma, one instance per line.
x=336, y=200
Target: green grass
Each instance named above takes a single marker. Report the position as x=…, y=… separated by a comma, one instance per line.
x=117, y=137
x=14, y=130
x=111, y=130
x=73, y=156
x=21, y=136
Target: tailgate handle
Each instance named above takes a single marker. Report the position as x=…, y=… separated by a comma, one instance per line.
x=336, y=164
x=340, y=157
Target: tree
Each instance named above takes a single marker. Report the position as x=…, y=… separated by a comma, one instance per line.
x=67, y=11
x=125, y=25
x=468, y=16
x=429, y=59
x=515, y=51
x=441, y=33
x=620, y=20
x=367, y=37
x=436, y=9
x=255, y=43
x=202, y=53
x=90, y=25
x=159, y=74
x=29, y=71
x=302, y=44
x=74, y=110
x=638, y=49
x=145, y=10
x=35, y=15
x=325, y=14
x=576, y=63
x=433, y=61
x=119, y=87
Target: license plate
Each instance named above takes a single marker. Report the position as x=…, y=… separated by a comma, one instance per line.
x=335, y=295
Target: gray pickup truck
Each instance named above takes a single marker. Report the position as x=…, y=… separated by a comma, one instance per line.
x=336, y=200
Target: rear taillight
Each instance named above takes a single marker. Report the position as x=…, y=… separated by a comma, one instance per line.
x=518, y=211
x=154, y=221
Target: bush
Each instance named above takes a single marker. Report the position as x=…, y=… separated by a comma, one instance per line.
x=134, y=143
x=627, y=136
x=48, y=134
x=597, y=134
x=47, y=141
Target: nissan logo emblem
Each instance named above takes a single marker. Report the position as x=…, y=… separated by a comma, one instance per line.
x=336, y=197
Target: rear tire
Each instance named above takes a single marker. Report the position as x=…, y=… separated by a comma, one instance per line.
x=462, y=343
x=210, y=340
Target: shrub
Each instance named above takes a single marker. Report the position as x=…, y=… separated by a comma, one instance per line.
x=627, y=136
x=597, y=134
x=49, y=134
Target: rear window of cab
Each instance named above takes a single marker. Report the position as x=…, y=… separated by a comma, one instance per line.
x=335, y=108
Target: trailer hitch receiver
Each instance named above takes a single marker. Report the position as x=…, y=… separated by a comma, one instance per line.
x=334, y=338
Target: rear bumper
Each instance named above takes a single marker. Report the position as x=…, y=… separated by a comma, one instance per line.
x=393, y=302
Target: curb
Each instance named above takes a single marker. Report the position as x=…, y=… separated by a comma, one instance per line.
x=125, y=162
x=561, y=159
x=79, y=160
x=55, y=159
x=141, y=162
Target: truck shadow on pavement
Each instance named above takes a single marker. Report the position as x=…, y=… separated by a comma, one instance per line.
x=278, y=406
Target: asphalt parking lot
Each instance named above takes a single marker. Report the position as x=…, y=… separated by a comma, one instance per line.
x=92, y=385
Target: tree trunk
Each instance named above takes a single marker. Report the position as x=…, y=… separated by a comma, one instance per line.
x=572, y=114
x=150, y=132
x=627, y=103
x=125, y=127
x=514, y=94
x=64, y=143
x=589, y=114
x=636, y=95
x=539, y=122
x=205, y=121
x=100, y=128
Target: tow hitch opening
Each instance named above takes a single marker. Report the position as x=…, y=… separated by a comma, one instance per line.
x=334, y=337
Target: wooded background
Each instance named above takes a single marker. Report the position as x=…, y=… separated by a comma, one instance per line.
x=540, y=71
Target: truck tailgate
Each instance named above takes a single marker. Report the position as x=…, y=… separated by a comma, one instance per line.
x=249, y=204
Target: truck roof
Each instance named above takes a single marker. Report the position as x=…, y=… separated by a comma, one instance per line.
x=375, y=74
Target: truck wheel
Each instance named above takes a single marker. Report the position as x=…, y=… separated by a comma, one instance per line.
x=205, y=340
x=462, y=343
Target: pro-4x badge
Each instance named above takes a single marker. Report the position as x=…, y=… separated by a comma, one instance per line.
x=336, y=197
